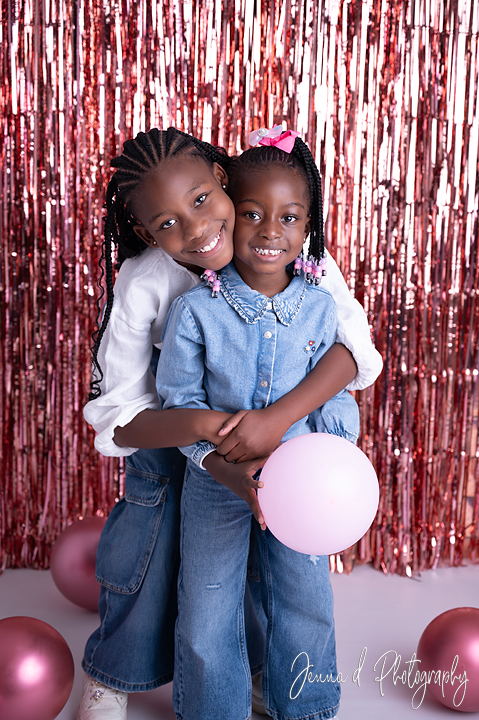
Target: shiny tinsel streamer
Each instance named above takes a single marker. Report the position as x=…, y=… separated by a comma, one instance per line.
x=386, y=96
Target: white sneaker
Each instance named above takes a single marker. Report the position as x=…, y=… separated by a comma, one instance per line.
x=100, y=702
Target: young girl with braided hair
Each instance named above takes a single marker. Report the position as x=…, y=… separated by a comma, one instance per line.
x=253, y=346
x=170, y=218
x=159, y=258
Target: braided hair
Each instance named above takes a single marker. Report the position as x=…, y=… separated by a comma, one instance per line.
x=301, y=160
x=140, y=156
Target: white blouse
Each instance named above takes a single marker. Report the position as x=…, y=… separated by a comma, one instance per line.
x=144, y=290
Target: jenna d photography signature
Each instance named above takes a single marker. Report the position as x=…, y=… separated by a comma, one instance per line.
x=390, y=667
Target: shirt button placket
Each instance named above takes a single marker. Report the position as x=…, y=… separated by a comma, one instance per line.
x=266, y=359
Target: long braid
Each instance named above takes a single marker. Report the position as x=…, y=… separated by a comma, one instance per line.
x=316, y=239
x=301, y=160
x=106, y=271
x=140, y=156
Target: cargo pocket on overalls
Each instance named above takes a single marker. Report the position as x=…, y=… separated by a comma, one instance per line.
x=131, y=532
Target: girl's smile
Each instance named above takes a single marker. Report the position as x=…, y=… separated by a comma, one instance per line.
x=211, y=245
x=183, y=209
x=272, y=223
x=268, y=253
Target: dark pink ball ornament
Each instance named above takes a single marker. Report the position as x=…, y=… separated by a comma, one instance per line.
x=36, y=670
x=72, y=562
x=449, y=650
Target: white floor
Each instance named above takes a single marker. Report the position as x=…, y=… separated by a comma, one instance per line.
x=378, y=613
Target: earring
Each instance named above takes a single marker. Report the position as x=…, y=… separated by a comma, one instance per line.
x=224, y=187
x=154, y=242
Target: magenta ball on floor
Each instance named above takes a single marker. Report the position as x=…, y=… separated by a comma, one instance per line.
x=72, y=562
x=453, y=634
x=36, y=670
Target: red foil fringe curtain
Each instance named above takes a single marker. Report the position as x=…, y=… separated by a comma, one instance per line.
x=386, y=95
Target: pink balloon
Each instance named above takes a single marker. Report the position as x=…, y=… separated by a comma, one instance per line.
x=36, y=670
x=454, y=633
x=320, y=494
x=72, y=562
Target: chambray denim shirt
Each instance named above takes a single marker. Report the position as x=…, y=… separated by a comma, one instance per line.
x=243, y=350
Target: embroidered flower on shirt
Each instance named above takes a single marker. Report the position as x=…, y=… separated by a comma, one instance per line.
x=310, y=348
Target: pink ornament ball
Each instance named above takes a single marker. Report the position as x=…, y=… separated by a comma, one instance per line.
x=36, y=670
x=73, y=560
x=320, y=494
x=449, y=650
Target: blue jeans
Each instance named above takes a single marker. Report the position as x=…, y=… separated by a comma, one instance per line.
x=212, y=679
x=137, y=566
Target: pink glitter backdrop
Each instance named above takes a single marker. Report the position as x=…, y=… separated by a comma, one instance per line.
x=385, y=93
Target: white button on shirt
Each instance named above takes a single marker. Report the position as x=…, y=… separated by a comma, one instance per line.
x=267, y=335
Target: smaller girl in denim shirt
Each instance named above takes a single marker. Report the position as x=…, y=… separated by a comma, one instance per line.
x=260, y=337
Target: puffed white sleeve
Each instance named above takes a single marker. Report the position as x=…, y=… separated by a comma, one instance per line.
x=128, y=385
x=143, y=292
x=353, y=328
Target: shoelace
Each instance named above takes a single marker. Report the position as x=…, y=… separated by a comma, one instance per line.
x=104, y=690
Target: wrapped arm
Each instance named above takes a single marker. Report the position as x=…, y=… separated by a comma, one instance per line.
x=128, y=385
x=144, y=289
x=353, y=329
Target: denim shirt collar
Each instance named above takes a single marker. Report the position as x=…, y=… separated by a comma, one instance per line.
x=251, y=305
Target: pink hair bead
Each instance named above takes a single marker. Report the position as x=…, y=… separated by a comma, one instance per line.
x=298, y=265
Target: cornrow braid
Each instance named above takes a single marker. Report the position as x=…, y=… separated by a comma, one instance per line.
x=316, y=239
x=140, y=156
x=301, y=160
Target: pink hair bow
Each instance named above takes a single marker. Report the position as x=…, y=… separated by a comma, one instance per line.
x=276, y=137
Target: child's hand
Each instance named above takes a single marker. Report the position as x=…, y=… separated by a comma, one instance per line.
x=211, y=423
x=232, y=422
x=238, y=477
x=257, y=434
